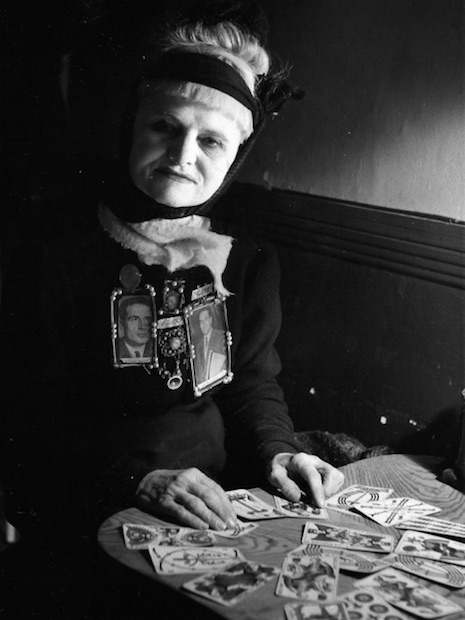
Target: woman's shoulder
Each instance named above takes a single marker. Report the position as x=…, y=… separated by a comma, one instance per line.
x=245, y=242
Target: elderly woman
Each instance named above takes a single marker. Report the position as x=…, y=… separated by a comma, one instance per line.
x=97, y=430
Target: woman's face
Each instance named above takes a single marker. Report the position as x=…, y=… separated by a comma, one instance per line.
x=181, y=150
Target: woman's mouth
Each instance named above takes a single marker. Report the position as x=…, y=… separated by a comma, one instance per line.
x=175, y=175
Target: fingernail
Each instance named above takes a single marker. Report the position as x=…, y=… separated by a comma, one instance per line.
x=231, y=523
x=220, y=525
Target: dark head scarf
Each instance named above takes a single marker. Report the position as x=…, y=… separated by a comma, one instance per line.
x=131, y=204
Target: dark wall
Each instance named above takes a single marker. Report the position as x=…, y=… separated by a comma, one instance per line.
x=373, y=334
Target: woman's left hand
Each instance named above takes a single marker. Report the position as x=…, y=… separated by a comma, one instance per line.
x=322, y=480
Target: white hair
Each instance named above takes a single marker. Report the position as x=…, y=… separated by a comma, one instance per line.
x=226, y=41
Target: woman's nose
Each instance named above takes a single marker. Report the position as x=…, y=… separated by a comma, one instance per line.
x=183, y=150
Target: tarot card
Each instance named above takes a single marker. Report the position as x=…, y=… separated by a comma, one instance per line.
x=249, y=506
x=348, y=560
x=354, y=562
x=239, y=530
x=182, y=560
x=307, y=577
x=406, y=594
x=434, y=525
x=234, y=583
x=346, y=538
x=300, y=509
x=432, y=547
x=367, y=605
x=394, y=510
x=355, y=494
x=137, y=536
x=316, y=611
x=440, y=572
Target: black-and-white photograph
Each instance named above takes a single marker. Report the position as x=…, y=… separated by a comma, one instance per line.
x=135, y=341
x=208, y=336
x=232, y=264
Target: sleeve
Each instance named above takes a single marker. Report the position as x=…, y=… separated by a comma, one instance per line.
x=256, y=416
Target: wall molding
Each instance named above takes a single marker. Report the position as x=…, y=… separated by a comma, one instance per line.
x=421, y=246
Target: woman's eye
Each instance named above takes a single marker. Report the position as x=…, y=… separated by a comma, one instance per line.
x=210, y=142
x=163, y=127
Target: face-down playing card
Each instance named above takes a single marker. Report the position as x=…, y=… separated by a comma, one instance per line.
x=309, y=577
x=406, y=594
x=249, y=506
x=234, y=583
x=346, y=538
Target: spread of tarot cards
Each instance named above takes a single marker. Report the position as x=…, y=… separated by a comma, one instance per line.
x=389, y=580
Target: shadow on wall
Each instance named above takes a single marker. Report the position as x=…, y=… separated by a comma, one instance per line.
x=443, y=431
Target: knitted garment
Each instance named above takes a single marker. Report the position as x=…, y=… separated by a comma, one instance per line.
x=176, y=244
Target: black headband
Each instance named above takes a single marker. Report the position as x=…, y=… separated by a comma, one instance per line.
x=207, y=70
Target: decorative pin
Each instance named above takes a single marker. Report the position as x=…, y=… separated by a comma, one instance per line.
x=130, y=277
x=174, y=382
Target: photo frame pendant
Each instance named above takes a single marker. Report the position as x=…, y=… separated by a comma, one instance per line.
x=209, y=341
x=191, y=342
x=133, y=327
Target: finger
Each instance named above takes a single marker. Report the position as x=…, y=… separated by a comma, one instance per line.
x=312, y=469
x=169, y=507
x=213, y=495
x=196, y=506
x=332, y=481
x=218, y=502
x=279, y=478
x=185, y=516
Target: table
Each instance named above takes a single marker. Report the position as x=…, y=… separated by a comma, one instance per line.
x=409, y=476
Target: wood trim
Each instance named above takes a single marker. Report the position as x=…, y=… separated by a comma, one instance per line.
x=420, y=246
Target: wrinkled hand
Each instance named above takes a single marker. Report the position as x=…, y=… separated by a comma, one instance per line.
x=188, y=495
x=287, y=471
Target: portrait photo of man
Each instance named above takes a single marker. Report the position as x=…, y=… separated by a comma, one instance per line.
x=135, y=329
x=210, y=346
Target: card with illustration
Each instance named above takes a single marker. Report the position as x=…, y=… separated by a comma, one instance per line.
x=300, y=510
x=407, y=595
x=182, y=560
x=240, y=530
x=346, y=538
x=137, y=536
x=249, y=506
x=316, y=611
x=351, y=561
x=367, y=605
x=395, y=510
x=432, y=547
x=233, y=584
x=440, y=572
x=307, y=577
x=357, y=494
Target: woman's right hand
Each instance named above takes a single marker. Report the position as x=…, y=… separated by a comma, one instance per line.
x=189, y=495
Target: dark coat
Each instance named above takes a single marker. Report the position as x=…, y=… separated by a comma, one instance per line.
x=87, y=432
